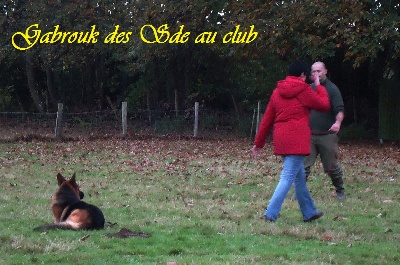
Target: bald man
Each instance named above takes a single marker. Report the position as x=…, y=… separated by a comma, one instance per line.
x=325, y=127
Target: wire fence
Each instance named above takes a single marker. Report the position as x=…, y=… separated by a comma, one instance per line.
x=108, y=123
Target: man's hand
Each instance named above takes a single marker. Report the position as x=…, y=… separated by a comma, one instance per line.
x=315, y=78
x=335, y=127
x=256, y=150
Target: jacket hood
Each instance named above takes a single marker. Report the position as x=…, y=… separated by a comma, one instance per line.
x=291, y=86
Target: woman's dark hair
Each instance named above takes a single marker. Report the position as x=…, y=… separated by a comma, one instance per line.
x=299, y=67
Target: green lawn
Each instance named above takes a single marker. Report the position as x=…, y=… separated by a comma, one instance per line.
x=201, y=201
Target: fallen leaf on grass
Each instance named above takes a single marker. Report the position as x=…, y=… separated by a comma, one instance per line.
x=125, y=232
x=339, y=218
x=110, y=224
x=189, y=204
x=326, y=237
x=381, y=215
x=84, y=238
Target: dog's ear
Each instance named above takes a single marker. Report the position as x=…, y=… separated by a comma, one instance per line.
x=60, y=179
x=73, y=178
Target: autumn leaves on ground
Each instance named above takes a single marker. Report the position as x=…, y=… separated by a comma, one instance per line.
x=200, y=200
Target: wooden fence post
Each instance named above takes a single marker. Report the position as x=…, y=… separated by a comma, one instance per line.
x=59, y=121
x=196, y=118
x=124, y=117
x=252, y=125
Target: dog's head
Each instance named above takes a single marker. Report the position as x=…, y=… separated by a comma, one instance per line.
x=71, y=183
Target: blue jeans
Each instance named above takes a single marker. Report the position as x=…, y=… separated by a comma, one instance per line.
x=292, y=172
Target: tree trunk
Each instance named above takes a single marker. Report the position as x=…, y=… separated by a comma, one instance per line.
x=396, y=69
x=100, y=80
x=389, y=127
x=88, y=81
x=236, y=109
x=389, y=110
x=50, y=85
x=32, y=83
x=176, y=103
x=148, y=106
x=188, y=72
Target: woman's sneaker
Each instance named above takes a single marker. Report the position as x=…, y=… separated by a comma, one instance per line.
x=269, y=220
x=315, y=217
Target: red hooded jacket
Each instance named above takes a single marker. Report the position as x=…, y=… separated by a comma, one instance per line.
x=289, y=112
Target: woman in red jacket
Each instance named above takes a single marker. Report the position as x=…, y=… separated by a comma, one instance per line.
x=288, y=111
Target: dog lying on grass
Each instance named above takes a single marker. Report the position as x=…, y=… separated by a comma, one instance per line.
x=69, y=211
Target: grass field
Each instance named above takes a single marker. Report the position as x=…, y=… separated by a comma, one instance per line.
x=201, y=201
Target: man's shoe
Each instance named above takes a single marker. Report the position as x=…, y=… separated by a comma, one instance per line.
x=341, y=195
x=315, y=217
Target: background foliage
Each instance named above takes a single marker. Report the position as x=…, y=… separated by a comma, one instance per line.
x=358, y=40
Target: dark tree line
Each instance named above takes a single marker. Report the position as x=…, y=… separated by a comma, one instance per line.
x=358, y=40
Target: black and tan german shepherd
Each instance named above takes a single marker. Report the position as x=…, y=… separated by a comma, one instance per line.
x=69, y=211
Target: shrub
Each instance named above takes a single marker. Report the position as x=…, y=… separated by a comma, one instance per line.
x=354, y=132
